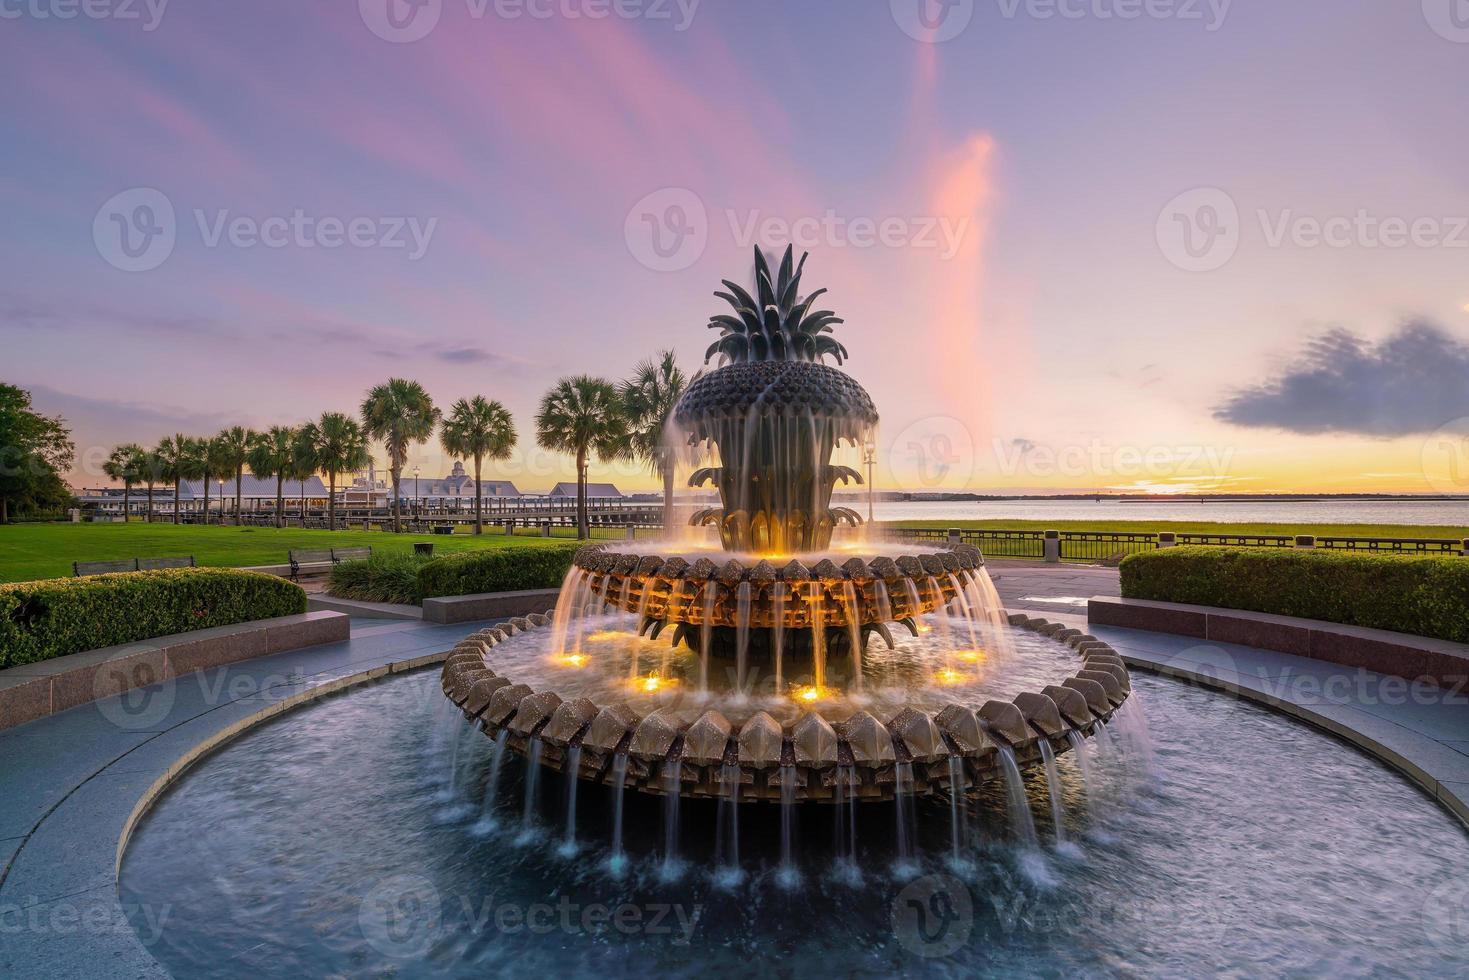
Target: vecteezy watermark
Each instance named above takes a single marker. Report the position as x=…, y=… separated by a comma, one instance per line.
x=136, y=230
x=1201, y=230
x=933, y=451
x=103, y=917
x=667, y=230
x=1099, y=459
x=941, y=233
x=933, y=915
x=405, y=21
x=932, y=21
x=1445, y=915
x=149, y=12
x=1210, y=13
x=1448, y=18
x=405, y=915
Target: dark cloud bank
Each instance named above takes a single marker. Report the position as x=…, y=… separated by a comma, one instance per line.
x=1413, y=381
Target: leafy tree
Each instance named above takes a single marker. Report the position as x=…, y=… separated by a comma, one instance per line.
x=648, y=399
x=400, y=413
x=126, y=465
x=234, y=451
x=479, y=429
x=341, y=448
x=304, y=461
x=272, y=454
x=34, y=449
x=582, y=415
x=151, y=474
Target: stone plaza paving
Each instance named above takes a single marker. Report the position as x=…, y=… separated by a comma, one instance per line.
x=73, y=784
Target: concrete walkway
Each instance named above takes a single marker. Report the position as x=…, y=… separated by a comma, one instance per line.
x=1033, y=586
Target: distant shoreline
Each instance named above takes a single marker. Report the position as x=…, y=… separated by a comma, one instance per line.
x=895, y=496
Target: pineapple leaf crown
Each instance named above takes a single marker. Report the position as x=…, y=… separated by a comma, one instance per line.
x=776, y=323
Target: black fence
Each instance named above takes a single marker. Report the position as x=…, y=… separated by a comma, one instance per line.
x=1110, y=547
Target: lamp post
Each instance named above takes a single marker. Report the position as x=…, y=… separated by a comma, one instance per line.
x=415, y=493
x=869, y=457
x=221, y=506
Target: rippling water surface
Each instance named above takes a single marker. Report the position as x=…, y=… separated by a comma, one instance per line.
x=352, y=838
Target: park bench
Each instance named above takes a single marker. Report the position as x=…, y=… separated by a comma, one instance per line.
x=82, y=568
x=323, y=556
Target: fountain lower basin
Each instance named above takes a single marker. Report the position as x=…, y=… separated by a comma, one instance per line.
x=742, y=746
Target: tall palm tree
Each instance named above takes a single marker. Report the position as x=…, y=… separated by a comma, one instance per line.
x=151, y=474
x=481, y=430
x=304, y=458
x=582, y=415
x=175, y=456
x=648, y=398
x=271, y=455
x=400, y=413
x=341, y=448
x=199, y=464
x=234, y=450
x=126, y=464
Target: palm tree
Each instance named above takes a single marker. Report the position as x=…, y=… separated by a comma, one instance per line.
x=234, y=450
x=199, y=464
x=341, y=448
x=400, y=413
x=582, y=415
x=126, y=464
x=479, y=429
x=648, y=399
x=151, y=472
x=175, y=464
x=303, y=464
x=271, y=455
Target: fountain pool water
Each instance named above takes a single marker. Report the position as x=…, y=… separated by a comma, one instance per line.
x=1273, y=850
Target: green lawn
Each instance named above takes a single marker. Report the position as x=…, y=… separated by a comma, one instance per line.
x=35, y=551
x=1212, y=527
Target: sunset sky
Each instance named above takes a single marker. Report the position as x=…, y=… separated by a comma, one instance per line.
x=1227, y=251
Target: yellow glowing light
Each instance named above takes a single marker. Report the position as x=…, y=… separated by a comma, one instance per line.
x=573, y=660
x=652, y=684
x=924, y=628
x=948, y=678
x=971, y=656
x=606, y=636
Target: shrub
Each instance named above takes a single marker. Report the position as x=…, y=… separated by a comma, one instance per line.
x=55, y=617
x=509, y=569
x=1426, y=596
x=384, y=577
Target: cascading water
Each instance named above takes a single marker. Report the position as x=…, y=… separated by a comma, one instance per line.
x=619, y=784
x=727, y=830
x=956, y=808
x=1053, y=788
x=788, y=874
x=573, y=777
x=1022, y=824
x=492, y=785
x=742, y=637
x=670, y=820
x=532, y=787
x=903, y=810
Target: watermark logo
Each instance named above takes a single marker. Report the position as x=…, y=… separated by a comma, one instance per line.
x=401, y=917
x=150, y=12
x=932, y=452
x=942, y=234
x=1448, y=18
x=932, y=21
x=933, y=916
x=400, y=21
x=667, y=230
x=1210, y=13
x=1445, y=457
x=1199, y=230
x=1445, y=915
x=135, y=230
x=132, y=694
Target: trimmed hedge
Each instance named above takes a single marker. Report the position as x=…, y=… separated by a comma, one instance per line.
x=385, y=577
x=1425, y=596
x=56, y=617
x=508, y=569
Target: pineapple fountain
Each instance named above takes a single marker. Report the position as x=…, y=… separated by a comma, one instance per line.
x=745, y=669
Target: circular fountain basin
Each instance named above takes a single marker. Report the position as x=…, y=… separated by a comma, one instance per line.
x=944, y=711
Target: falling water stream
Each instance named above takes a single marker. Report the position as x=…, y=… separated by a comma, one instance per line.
x=619, y=782
x=789, y=877
x=1021, y=822
x=573, y=777
x=532, y=787
x=1053, y=788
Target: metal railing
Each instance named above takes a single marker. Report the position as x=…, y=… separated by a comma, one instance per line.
x=1110, y=547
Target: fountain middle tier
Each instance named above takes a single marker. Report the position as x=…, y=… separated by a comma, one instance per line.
x=856, y=597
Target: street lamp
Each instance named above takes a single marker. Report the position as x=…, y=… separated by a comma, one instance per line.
x=869, y=457
x=221, y=506
x=415, y=493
